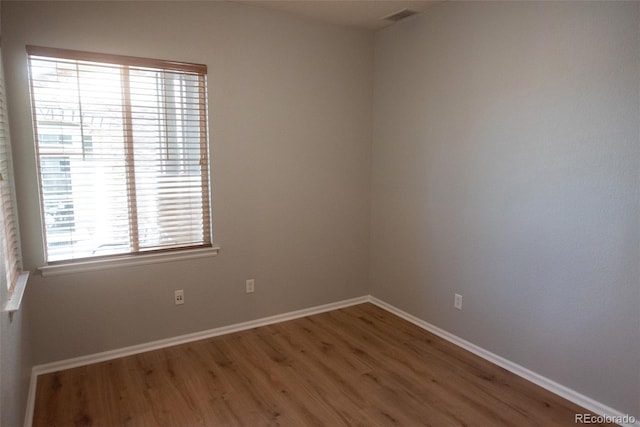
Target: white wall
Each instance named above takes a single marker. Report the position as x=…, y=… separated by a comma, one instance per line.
x=290, y=118
x=505, y=168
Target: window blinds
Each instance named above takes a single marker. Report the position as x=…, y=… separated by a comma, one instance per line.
x=9, y=226
x=122, y=153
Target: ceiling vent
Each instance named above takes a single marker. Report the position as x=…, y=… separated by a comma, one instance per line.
x=399, y=15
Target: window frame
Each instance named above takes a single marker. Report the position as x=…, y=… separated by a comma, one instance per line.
x=10, y=248
x=135, y=256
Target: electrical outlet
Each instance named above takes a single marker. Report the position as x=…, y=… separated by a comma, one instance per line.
x=178, y=297
x=251, y=286
x=457, y=301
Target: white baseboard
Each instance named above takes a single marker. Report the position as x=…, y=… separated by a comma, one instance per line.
x=31, y=399
x=565, y=392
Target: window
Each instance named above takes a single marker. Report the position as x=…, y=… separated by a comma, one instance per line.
x=8, y=224
x=122, y=153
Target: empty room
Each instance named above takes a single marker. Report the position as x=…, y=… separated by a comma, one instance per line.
x=372, y=213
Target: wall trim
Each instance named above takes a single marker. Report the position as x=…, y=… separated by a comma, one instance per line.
x=544, y=382
x=565, y=392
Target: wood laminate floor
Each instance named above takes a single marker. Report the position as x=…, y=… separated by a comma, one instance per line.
x=357, y=366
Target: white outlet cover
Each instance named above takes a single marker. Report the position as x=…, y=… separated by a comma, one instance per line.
x=457, y=301
x=178, y=297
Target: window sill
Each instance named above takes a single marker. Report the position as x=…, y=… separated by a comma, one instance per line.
x=15, y=300
x=129, y=261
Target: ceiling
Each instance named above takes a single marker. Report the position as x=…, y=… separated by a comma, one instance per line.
x=363, y=14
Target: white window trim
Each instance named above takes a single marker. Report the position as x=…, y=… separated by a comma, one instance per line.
x=126, y=261
x=15, y=300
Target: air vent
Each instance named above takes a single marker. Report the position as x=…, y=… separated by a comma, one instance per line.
x=401, y=14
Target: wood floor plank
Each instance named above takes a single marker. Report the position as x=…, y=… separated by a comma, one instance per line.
x=357, y=366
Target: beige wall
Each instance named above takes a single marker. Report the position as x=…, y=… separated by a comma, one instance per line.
x=505, y=168
x=290, y=128
x=15, y=363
